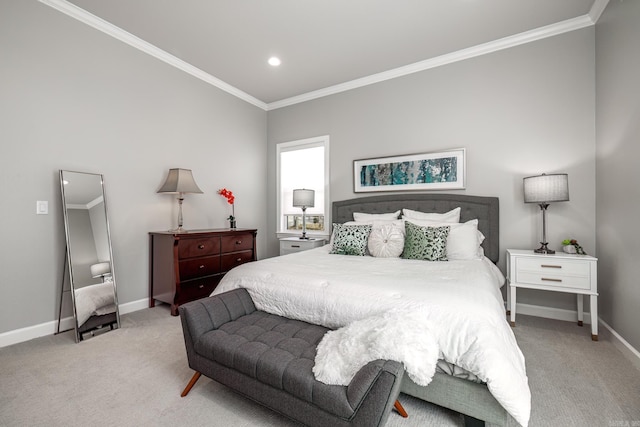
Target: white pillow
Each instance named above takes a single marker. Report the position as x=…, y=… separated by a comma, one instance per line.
x=451, y=216
x=464, y=239
x=359, y=216
x=386, y=241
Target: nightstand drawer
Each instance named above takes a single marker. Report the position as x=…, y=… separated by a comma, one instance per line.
x=291, y=245
x=553, y=266
x=295, y=245
x=553, y=280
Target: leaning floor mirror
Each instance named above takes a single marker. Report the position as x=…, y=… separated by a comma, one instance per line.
x=89, y=255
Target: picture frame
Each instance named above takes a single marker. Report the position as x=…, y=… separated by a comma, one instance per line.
x=443, y=170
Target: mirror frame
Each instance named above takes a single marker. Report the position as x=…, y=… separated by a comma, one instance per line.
x=77, y=328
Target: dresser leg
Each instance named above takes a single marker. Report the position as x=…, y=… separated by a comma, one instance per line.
x=174, y=309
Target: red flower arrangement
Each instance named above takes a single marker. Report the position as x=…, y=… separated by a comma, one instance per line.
x=231, y=200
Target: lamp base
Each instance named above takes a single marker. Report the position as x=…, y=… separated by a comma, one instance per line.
x=544, y=249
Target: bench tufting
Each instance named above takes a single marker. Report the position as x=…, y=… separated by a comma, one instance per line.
x=269, y=359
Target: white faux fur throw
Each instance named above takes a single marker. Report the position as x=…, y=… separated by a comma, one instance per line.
x=402, y=335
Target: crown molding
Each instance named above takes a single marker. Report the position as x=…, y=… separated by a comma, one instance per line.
x=449, y=58
x=597, y=8
x=136, y=42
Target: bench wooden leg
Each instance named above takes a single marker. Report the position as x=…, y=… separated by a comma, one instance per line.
x=400, y=409
x=192, y=382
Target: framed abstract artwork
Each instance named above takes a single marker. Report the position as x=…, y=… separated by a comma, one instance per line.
x=444, y=170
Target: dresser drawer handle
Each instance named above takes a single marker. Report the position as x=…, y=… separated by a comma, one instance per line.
x=201, y=286
x=551, y=280
x=239, y=259
x=200, y=246
x=202, y=266
x=238, y=242
x=550, y=266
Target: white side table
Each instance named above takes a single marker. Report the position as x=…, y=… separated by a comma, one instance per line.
x=289, y=245
x=559, y=272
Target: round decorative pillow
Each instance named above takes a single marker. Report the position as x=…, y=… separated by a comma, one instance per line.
x=386, y=241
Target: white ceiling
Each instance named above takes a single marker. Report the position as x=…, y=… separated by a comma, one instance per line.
x=325, y=45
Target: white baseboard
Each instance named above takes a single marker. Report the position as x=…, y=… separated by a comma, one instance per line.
x=572, y=316
x=132, y=306
x=49, y=328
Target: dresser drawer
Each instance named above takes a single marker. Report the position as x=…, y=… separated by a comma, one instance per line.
x=190, y=248
x=196, y=289
x=239, y=242
x=199, y=267
x=232, y=260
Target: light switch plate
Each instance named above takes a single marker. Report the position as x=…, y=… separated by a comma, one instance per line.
x=42, y=207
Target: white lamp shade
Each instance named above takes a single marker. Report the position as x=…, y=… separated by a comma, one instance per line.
x=546, y=188
x=303, y=198
x=179, y=181
x=100, y=269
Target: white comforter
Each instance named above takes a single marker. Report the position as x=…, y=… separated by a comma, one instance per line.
x=466, y=311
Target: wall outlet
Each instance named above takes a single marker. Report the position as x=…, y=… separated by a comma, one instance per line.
x=42, y=207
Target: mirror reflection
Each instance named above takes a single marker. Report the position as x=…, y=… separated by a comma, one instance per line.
x=89, y=253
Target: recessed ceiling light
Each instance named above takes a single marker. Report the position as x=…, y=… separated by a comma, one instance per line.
x=274, y=61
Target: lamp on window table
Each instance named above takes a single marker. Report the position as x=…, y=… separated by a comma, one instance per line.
x=180, y=182
x=303, y=198
x=542, y=189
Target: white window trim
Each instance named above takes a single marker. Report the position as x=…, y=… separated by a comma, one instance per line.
x=318, y=141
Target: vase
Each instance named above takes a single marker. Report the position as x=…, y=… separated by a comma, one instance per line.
x=232, y=223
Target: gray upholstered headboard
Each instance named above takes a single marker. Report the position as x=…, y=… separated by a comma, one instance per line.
x=485, y=209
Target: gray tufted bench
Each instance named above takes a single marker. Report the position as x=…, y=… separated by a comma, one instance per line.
x=269, y=359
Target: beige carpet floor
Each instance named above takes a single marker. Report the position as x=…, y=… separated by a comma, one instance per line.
x=133, y=377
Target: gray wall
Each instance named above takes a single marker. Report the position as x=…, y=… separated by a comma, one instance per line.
x=518, y=112
x=74, y=98
x=618, y=189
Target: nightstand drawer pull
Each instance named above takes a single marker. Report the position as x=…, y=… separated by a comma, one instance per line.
x=550, y=266
x=550, y=280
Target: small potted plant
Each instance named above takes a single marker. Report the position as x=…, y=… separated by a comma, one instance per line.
x=571, y=246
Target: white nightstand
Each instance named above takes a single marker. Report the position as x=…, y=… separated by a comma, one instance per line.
x=559, y=272
x=289, y=245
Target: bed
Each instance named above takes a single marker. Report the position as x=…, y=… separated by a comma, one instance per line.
x=337, y=290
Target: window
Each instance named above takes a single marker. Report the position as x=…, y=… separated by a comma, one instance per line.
x=303, y=164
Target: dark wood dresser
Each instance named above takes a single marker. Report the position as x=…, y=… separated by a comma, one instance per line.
x=187, y=266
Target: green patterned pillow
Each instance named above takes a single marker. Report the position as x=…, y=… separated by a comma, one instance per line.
x=350, y=239
x=427, y=243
